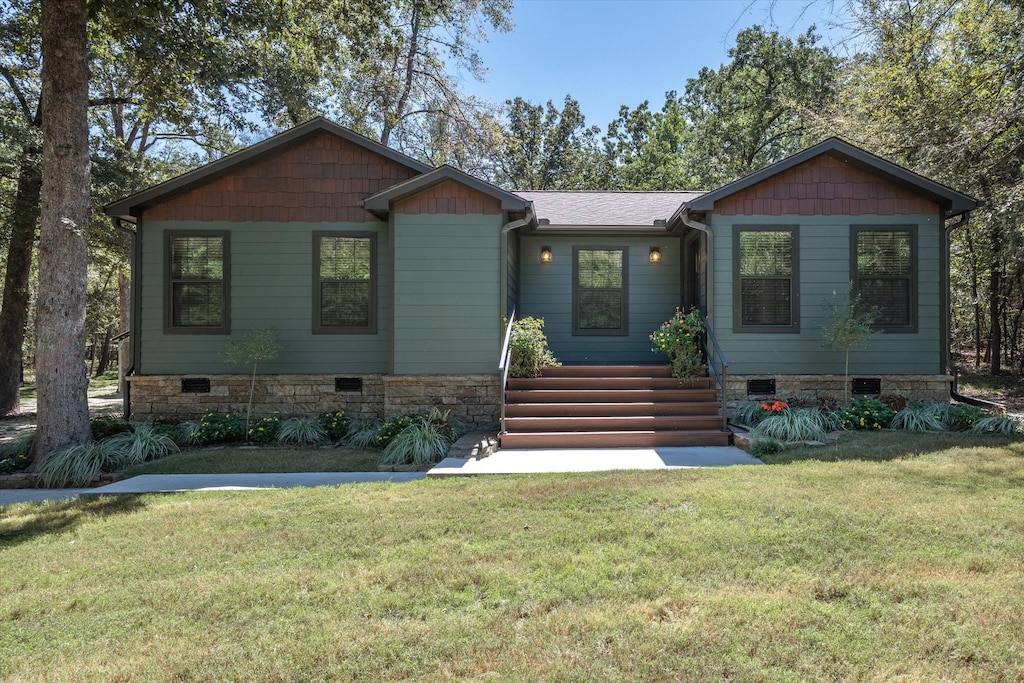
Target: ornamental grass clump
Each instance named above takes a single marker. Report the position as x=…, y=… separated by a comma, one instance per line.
x=792, y=425
x=919, y=416
x=144, y=442
x=301, y=431
x=362, y=434
x=14, y=456
x=998, y=424
x=74, y=466
x=424, y=442
x=679, y=339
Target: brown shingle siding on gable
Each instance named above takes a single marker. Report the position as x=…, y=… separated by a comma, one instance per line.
x=322, y=179
x=449, y=197
x=825, y=186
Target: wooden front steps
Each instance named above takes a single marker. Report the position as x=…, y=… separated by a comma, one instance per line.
x=634, y=406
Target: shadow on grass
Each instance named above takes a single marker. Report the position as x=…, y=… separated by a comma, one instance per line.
x=891, y=445
x=21, y=523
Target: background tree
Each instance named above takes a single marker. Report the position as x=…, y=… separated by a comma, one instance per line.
x=545, y=148
x=645, y=150
x=753, y=110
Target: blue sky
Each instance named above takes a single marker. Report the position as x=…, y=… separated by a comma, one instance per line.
x=606, y=53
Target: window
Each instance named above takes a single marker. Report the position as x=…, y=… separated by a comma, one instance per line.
x=198, y=283
x=766, y=280
x=600, y=292
x=344, y=283
x=884, y=274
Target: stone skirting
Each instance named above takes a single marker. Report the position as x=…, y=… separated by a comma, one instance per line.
x=816, y=388
x=474, y=400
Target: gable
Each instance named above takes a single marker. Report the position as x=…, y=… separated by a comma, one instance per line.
x=826, y=186
x=320, y=179
x=448, y=197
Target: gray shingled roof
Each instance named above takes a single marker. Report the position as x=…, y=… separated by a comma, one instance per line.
x=605, y=208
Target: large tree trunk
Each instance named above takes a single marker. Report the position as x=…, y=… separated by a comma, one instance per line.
x=61, y=383
x=14, y=313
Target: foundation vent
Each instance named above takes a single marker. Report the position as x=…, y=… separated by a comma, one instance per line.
x=195, y=385
x=760, y=386
x=867, y=386
x=348, y=384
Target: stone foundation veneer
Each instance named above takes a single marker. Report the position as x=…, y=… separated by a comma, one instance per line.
x=814, y=388
x=474, y=400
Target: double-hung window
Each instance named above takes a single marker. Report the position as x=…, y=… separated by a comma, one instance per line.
x=344, y=283
x=884, y=274
x=600, y=291
x=197, y=283
x=766, y=275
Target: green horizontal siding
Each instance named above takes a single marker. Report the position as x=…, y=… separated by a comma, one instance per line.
x=271, y=286
x=824, y=263
x=546, y=292
x=447, y=294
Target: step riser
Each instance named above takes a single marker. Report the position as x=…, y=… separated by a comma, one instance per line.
x=606, y=383
x=607, y=371
x=609, y=409
x=615, y=440
x=593, y=396
x=610, y=424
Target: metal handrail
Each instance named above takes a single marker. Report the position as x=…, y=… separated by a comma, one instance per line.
x=504, y=363
x=718, y=370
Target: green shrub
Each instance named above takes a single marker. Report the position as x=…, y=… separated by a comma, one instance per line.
x=762, y=447
x=866, y=413
x=335, y=425
x=362, y=434
x=104, y=426
x=919, y=416
x=216, y=427
x=143, y=443
x=960, y=417
x=301, y=431
x=74, y=466
x=424, y=442
x=14, y=456
x=998, y=424
x=679, y=339
x=265, y=430
x=788, y=426
x=529, y=348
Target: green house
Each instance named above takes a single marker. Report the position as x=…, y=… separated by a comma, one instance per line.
x=387, y=281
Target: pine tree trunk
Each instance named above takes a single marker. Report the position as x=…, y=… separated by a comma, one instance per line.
x=61, y=383
x=14, y=313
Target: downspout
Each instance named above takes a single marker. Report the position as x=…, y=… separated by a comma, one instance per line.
x=710, y=284
x=947, y=365
x=126, y=398
x=505, y=230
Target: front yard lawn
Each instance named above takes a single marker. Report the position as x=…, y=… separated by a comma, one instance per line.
x=907, y=569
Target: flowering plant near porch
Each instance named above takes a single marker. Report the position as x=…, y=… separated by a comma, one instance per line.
x=677, y=338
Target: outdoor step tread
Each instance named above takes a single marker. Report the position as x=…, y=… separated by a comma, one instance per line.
x=630, y=423
x=615, y=439
x=613, y=408
x=524, y=396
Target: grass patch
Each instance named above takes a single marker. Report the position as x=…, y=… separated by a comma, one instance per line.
x=885, y=445
x=103, y=386
x=907, y=569
x=231, y=460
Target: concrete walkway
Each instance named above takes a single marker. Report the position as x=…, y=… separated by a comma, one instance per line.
x=502, y=462
x=593, y=460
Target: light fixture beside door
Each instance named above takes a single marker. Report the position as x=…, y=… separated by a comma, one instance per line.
x=655, y=256
x=545, y=254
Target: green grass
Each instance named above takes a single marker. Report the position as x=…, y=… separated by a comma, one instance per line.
x=232, y=459
x=103, y=386
x=908, y=569
x=887, y=445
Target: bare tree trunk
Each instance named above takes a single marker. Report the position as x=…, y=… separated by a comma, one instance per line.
x=61, y=384
x=104, y=361
x=123, y=361
x=14, y=314
x=995, y=332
